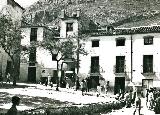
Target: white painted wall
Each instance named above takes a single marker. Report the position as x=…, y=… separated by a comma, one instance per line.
x=2, y=4
x=43, y=57
x=63, y=33
x=107, y=52
x=139, y=49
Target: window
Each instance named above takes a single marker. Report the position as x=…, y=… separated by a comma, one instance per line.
x=69, y=27
x=11, y=2
x=32, y=56
x=120, y=42
x=120, y=64
x=54, y=57
x=95, y=64
x=33, y=35
x=148, y=40
x=148, y=64
x=95, y=43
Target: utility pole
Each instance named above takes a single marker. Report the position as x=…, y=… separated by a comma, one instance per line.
x=77, y=64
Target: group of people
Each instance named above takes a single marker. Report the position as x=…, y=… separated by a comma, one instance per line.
x=130, y=98
x=152, y=95
x=86, y=85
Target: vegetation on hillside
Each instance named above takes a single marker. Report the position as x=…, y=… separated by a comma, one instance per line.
x=101, y=12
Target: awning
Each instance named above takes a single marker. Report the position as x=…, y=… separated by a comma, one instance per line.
x=131, y=84
x=68, y=71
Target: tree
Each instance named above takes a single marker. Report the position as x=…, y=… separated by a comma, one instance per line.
x=10, y=39
x=61, y=49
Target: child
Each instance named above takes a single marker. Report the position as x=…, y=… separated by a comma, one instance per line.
x=13, y=109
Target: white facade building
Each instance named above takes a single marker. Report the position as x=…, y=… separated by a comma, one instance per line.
x=124, y=56
x=40, y=63
x=119, y=56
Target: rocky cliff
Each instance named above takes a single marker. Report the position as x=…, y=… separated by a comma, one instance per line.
x=119, y=13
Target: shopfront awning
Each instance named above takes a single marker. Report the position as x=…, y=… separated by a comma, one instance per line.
x=68, y=71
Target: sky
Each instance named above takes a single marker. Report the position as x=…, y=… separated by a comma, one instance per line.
x=25, y=3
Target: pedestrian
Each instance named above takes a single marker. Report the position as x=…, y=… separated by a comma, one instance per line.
x=98, y=89
x=107, y=87
x=77, y=84
x=130, y=98
x=15, y=102
x=134, y=97
x=83, y=86
x=138, y=106
x=8, y=78
x=150, y=99
x=126, y=96
x=147, y=93
x=1, y=81
x=46, y=82
x=88, y=84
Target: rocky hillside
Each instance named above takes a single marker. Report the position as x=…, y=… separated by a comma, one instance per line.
x=119, y=13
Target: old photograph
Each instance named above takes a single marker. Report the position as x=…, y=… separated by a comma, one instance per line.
x=79, y=57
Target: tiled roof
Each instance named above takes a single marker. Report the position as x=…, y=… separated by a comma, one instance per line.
x=124, y=31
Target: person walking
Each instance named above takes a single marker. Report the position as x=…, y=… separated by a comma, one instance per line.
x=138, y=106
x=88, y=84
x=98, y=89
x=107, y=87
x=126, y=97
x=77, y=84
x=150, y=99
x=147, y=93
x=83, y=87
x=130, y=97
x=13, y=110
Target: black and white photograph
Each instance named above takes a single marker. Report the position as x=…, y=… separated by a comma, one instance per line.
x=79, y=57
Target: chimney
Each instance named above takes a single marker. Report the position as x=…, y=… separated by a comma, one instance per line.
x=78, y=12
x=110, y=29
x=62, y=13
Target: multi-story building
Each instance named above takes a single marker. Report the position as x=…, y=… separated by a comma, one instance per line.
x=43, y=63
x=122, y=56
x=117, y=56
x=39, y=63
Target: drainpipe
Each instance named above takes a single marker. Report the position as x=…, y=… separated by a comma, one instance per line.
x=131, y=58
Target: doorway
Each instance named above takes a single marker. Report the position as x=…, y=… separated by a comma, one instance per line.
x=94, y=81
x=32, y=74
x=146, y=84
x=119, y=85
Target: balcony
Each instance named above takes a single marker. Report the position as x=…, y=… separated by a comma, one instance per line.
x=148, y=73
x=120, y=74
x=94, y=70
